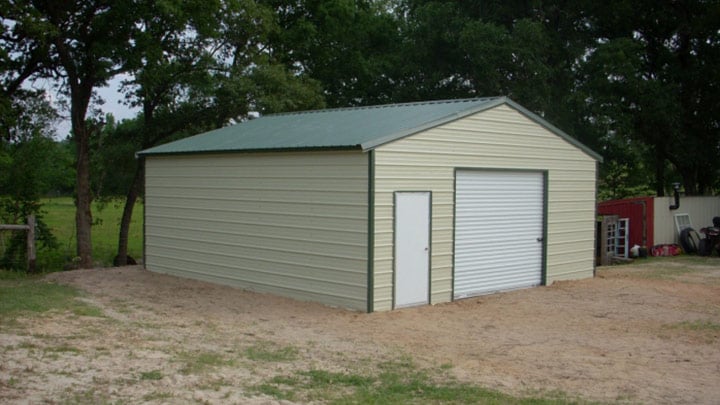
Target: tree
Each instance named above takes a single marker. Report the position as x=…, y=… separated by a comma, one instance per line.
x=525, y=50
x=198, y=69
x=26, y=168
x=652, y=75
x=81, y=45
x=354, y=48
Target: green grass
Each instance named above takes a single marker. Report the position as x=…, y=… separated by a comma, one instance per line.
x=704, y=331
x=60, y=217
x=270, y=353
x=21, y=295
x=200, y=362
x=394, y=383
x=151, y=375
x=158, y=396
x=686, y=268
x=697, y=326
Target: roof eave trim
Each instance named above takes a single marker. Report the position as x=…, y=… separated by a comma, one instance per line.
x=258, y=150
x=552, y=128
x=375, y=143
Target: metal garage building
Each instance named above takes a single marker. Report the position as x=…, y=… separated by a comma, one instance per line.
x=375, y=208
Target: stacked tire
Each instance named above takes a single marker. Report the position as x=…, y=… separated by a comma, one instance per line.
x=690, y=241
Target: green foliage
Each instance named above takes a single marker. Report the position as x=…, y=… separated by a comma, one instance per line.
x=623, y=180
x=31, y=164
x=648, y=77
x=113, y=162
x=353, y=48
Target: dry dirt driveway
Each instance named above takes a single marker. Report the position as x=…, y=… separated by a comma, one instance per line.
x=644, y=333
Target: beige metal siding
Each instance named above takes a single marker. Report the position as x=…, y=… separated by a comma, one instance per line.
x=701, y=211
x=499, y=138
x=294, y=224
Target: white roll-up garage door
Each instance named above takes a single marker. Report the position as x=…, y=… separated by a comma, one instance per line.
x=498, y=231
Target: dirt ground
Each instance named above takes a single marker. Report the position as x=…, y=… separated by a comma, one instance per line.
x=644, y=333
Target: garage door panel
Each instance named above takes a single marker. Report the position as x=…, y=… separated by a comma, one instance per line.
x=499, y=226
x=499, y=281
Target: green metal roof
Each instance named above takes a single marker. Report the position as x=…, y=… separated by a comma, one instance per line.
x=362, y=128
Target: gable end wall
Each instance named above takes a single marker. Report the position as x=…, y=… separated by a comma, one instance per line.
x=498, y=138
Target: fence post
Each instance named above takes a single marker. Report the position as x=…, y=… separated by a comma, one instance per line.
x=31, y=252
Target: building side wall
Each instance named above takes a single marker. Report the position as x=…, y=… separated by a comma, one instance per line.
x=701, y=211
x=293, y=224
x=499, y=138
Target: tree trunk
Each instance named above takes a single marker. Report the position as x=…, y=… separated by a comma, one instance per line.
x=131, y=198
x=83, y=214
x=689, y=177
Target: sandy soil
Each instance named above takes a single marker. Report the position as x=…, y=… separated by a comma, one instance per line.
x=621, y=336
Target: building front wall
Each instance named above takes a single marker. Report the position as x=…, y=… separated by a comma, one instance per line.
x=498, y=138
x=294, y=224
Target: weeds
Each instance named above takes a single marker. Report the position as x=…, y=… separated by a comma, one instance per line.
x=698, y=326
x=394, y=382
x=269, y=353
x=157, y=396
x=153, y=375
x=199, y=362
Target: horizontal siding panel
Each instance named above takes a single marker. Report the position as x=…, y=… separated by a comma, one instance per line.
x=200, y=187
x=288, y=223
x=469, y=159
x=200, y=230
x=210, y=274
x=256, y=266
x=323, y=197
x=297, y=251
x=499, y=138
x=277, y=171
x=572, y=271
x=570, y=240
x=202, y=218
x=251, y=160
x=213, y=209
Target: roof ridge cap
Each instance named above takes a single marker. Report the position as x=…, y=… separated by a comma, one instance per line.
x=390, y=105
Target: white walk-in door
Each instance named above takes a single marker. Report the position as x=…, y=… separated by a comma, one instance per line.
x=412, y=248
x=499, y=230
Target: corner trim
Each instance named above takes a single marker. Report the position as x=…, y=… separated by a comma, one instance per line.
x=371, y=233
x=141, y=161
x=546, y=204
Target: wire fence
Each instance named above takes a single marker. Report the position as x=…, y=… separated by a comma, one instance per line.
x=17, y=246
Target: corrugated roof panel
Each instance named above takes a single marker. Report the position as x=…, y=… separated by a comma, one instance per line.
x=344, y=128
x=361, y=128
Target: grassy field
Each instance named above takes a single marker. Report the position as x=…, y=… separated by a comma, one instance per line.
x=60, y=217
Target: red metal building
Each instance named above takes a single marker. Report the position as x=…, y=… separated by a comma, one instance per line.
x=640, y=214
